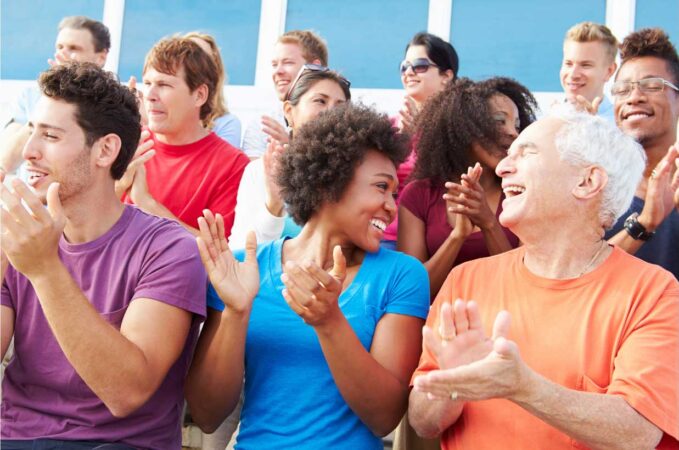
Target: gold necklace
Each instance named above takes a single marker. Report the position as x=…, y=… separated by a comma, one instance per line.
x=596, y=255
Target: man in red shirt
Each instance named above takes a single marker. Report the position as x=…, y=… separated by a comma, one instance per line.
x=190, y=168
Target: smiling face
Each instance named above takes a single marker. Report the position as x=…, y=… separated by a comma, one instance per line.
x=537, y=184
x=585, y=68
x=506, y=114
x=170, y=105
x=286, y=63
x=77, y=45
x=421, y=86
x=650, y=118
x=56, y=150
x=323, y=95
x=367, y=205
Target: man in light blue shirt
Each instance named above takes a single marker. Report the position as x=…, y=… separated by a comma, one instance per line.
x=589, y=51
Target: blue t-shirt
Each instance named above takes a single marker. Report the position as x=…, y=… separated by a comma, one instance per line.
x=291, y=400
x=663, y=248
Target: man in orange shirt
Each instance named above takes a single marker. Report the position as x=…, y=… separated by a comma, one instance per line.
x=584, y=349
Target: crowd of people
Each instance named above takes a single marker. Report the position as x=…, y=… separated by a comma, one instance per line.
x=473, y=272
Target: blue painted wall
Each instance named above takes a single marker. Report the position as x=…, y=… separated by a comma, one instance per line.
x=28, y=29
x=366, y=39
x=521, y=39
x=233, y=23
x=659, y=13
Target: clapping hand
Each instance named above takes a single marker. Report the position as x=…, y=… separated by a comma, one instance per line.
x=235, y=282
x=469, y=198
x=143, y=153
x=312, y=292
x=275, y=130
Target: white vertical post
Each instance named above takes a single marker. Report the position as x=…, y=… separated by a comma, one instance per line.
x=440, y=15
x=620, y=16
x=271, y=25
x=114, y=12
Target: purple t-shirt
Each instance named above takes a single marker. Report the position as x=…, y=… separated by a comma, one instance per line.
x=426, y=203
x=141, y=256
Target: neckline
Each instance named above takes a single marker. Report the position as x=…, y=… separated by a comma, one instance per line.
x=116, y=229
x=276, y=269
x=183, y=149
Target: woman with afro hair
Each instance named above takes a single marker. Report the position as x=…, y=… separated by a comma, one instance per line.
x=448, y=214
x=325, y=327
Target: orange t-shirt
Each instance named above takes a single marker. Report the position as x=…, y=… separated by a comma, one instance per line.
x=614, y=330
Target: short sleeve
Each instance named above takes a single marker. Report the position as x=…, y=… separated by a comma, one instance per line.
x=172, y=271
x=646, y=370
x=213, y=300
x=5, y=294
x=409, y=292
x=415, y=199
x=228, y=128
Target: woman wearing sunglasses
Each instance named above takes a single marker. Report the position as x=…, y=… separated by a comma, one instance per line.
x=430, y=64
x=448, y=215
x=333, y=334
x=259, y=205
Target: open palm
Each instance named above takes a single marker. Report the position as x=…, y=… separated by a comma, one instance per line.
x=235, y=282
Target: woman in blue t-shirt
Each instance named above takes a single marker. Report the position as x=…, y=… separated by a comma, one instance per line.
x=325, y=327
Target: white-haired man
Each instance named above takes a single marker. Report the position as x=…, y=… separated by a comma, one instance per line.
x=592, y=354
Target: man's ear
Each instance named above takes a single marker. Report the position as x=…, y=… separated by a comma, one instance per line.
x=201, y=94
x=592, y=182
x=611, y=70
x=106, y=150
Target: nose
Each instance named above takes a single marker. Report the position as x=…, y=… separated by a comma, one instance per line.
x=409, y=70
x=505, y=167
x=635, y=95
x=31, y=150
x=390, y=205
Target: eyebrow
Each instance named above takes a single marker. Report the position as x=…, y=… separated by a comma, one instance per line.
x=384, y=174
x=44, y=125
x=525, y=145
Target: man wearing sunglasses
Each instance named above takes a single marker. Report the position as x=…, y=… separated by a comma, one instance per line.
x=646, y=96
x=292, y=50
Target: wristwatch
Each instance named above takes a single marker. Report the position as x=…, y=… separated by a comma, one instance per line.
x=636, y=230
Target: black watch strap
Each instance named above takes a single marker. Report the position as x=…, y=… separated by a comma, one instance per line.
x=636, y=230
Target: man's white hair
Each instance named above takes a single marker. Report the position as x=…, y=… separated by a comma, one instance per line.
x=590, y=140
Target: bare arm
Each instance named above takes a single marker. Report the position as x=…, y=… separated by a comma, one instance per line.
x=216, y=374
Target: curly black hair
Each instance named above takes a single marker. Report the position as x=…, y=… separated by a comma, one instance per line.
x=457, y=117
x=322, y=158
x=103, y=106
x=651, y=42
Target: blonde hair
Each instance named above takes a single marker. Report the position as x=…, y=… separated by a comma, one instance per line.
x=594, y=32
x=313, y=46
x=219, y=107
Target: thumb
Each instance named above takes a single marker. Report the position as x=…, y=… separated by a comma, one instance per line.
x=132, y=84
x=339, y=266
x=53, y=202
x=251, y=247
x=505, y=348
x=503, y=321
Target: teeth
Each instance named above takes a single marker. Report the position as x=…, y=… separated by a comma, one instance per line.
x=515, y=190
x=637, y=116
x=378, y=224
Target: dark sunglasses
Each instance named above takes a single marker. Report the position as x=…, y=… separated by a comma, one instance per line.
x=420, y=65
x=313, y=68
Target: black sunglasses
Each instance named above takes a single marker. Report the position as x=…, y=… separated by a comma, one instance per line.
x=313, y=68
x=420, y=65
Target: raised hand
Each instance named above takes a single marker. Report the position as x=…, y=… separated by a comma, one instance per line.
x=582, y=104
x=469, y=198
x=312, y=292
x=30, y=235
x=408, y=115
x=236, y=283
x=132, y=85
x=661, y=195
x=270, y=159
x=143, y=153
x=485, y=368
x=275, y=130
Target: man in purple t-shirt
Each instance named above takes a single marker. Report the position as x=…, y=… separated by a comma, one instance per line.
x=102, y=299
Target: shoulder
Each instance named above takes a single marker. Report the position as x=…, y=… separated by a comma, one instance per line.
x=630, y=269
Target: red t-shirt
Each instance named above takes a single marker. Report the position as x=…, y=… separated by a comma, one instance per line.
x=612, y=331
x=425, y=201
x=187, y=179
